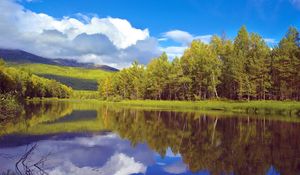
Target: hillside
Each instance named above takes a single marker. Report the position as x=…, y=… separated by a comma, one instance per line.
x=79, y=76
x=19, y=56
x=75, y=77
x=22, y=57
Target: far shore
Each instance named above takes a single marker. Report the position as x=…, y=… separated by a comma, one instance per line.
x=265, y=107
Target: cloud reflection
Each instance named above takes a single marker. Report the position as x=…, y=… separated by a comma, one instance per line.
x=96, y=154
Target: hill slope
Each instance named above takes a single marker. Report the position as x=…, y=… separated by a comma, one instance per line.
x=79, y=76
x=75, y=77
x=21, y=57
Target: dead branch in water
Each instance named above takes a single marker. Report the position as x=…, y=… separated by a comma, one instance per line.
x=31, y=168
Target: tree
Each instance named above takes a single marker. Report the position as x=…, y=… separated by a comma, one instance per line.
x=178, y=82
x=224, y=50
x=157, y=77
x=240, y=53
x=24, y=84
x=258, y=67
x=204, y=68
x=243, y=69
x=285, y=67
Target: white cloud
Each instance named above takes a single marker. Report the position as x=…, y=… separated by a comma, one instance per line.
x=85, y=38
x=204, y=38
x=118, y=164
x=184, y=37
x=179, y=36
x=174, y=51
x=107, y=40
x=96, y=154
x=270, y=40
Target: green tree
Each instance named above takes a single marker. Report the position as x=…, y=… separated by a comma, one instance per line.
x=157, y=77
x=285, y=67
x=241, y=51
x=258, y=67
x=204, y=68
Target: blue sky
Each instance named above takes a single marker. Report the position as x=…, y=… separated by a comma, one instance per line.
x=127, y=28
x=270, y=18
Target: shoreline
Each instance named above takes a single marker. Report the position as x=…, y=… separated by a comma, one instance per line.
x=267, y=107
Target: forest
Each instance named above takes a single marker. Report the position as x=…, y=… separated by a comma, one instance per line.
x=17, y=85
x=243, y=68
x=26, y=85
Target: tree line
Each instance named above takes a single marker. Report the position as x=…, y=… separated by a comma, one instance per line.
x=26, y=85
x=243, y=68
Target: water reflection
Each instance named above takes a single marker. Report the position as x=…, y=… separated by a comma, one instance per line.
x=217, y=144
x=84, y=154
x=140, y=141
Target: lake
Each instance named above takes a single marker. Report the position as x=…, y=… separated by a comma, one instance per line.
x=62, y=138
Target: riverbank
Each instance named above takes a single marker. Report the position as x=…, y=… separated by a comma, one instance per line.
x=283, y=108
x=289, y=108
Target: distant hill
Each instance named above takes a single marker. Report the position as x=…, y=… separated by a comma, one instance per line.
x=76, y=77
x=22, y=57
x=79, y=76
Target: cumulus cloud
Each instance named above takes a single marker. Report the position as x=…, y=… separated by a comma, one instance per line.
x=182, y=37
x=204, y=38
x=79, y=155
x=179, y=36
x=105, y=40
x=174, y=51
x=118, y=164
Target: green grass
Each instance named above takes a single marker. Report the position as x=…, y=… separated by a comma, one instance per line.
x=290, y=108
x=266, y=108
x=77, y=78
x=85, y=94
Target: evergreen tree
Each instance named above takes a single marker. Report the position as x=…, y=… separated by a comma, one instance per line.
x=285, y=67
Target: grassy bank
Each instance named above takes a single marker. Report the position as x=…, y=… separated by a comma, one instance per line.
x=279, y=108
x=290, y=108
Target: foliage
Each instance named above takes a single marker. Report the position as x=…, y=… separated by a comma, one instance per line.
x=245, y=68
x=286, y=108
x=26, y=85
x=80, y=94
x=77, y=78
x=9, y=106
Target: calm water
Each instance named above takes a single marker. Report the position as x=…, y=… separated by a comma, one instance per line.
x=86, y=139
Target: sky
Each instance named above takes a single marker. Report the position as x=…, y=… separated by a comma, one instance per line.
x=117, y=32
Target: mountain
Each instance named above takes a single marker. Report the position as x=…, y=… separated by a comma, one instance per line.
x=21, y=57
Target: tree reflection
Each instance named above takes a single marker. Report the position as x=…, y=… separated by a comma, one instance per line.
x=33, y=114
x=218, y=144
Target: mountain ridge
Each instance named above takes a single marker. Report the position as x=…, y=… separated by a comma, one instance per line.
x=23, y=57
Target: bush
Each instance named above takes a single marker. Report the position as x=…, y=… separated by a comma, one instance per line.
x=115, y=98
x=9, y=106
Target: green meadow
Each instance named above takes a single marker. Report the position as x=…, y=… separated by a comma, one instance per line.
x=75, y=77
